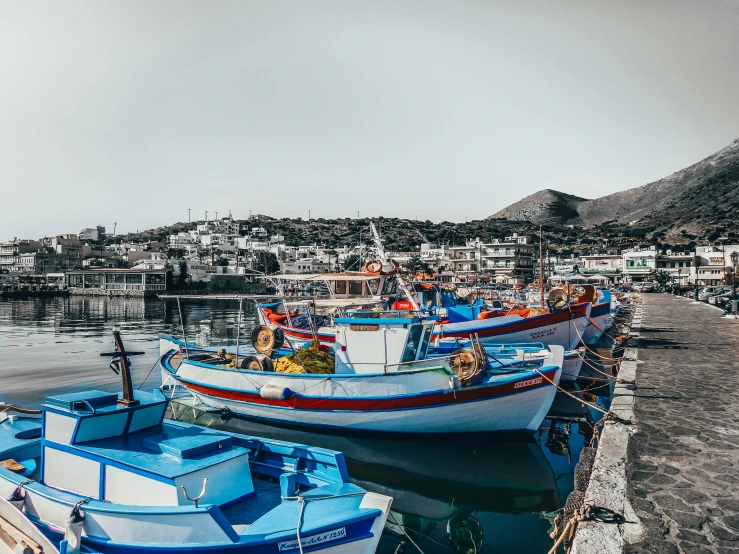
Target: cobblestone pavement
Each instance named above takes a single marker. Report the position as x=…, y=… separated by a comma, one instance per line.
x=683, y=461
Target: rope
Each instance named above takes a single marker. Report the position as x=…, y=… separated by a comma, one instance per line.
x=607, y=414
x=395, y=521
x=586, y=513
x=587, y=348
x=19, y=409
x=603, y=330
x=304, y=500
x=147, y=375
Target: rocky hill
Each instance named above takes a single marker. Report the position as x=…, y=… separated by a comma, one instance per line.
x=696, y=202
x=544, y=207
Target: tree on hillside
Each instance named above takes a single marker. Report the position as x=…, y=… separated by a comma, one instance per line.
x=266, y=262
x=351, y=263
x=416, y=265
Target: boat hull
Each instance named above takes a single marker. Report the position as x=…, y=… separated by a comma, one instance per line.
x=600, y=320
x=572, y=364
x=418, y=402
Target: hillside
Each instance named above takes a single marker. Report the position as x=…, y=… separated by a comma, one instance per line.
x=544, y=207
x=696, y=202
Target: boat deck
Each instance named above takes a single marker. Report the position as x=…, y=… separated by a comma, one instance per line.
x=242, y=514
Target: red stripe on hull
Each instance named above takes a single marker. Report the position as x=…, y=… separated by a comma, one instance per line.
x=378, y=404
x=527, y=324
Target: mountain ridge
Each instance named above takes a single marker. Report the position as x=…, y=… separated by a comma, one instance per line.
x=701, y=195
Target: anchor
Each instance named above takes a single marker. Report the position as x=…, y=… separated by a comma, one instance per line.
x=123, y=367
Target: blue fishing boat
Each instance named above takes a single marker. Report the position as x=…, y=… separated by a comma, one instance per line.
x=114, y=477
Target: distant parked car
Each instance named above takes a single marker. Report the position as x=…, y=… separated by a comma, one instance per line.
x=647, y=287
x=722, y=296
x=707, y=292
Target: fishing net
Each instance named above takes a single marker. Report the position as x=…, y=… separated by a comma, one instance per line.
x=307, y=360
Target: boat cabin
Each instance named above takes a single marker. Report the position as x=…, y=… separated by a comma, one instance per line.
x=379, y=342
x=347, y=285
x=95, y=446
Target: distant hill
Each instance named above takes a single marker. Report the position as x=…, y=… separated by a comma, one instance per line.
x=694, y=202
x=544, y=207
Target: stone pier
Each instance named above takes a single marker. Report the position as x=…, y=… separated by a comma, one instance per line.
x=683, y=460
x=679, y=473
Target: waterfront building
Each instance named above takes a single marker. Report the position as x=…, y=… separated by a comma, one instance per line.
x=117, y=282
x=713, y=265
x=679, y=265
x=639, y=263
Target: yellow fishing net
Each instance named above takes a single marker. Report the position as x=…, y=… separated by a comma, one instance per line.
x=308, y=360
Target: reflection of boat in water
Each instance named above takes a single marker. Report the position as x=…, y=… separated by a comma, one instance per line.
x=497, y=475
x=440, y=489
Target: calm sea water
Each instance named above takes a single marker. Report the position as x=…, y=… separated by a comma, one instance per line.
x=483, y=496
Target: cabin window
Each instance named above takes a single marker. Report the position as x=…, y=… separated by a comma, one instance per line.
x=92, y=280
x=373, y=286
x=355, y=288
x=391, y=286
x=412, y=343
x=424, y=342
x=340, y=287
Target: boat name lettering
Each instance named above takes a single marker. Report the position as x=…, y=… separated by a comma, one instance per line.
x=357, y=327
x=528, y=383
x=313, y=540
x=544, y=333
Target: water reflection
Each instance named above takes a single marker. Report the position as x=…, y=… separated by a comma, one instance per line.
x=53, y=345
x=446, y=494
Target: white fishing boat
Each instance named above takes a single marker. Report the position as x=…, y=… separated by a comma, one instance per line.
x=382, y=381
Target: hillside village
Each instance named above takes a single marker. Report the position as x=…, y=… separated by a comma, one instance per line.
x=230, y=254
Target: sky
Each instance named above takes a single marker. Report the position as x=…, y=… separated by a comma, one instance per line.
x=130, y=112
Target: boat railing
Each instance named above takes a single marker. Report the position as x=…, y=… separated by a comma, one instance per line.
x=428, y=363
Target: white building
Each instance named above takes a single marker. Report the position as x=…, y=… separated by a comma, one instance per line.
x=639, y=263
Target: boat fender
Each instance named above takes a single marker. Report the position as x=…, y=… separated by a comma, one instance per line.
x=73, y=527
x=454, y=382
x=275, y=392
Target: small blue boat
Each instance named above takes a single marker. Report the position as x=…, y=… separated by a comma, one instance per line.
x=114, y=477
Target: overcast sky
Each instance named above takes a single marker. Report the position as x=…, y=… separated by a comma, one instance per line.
x=133, y=111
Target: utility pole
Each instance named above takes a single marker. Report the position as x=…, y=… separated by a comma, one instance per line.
x=115, y=224
x=188, y=215
x=206, y=216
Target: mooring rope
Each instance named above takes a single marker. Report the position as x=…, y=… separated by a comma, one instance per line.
x=607, y=414
x=303, y=500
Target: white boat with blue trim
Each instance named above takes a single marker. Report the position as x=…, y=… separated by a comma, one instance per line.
x=115, y=477
x=383, y=380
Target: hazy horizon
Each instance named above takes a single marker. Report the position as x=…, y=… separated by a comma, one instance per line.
x=132, y=112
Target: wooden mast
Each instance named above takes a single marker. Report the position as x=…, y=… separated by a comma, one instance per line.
x=541, y=268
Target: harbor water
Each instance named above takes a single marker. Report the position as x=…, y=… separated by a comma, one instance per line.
x=482, y=495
